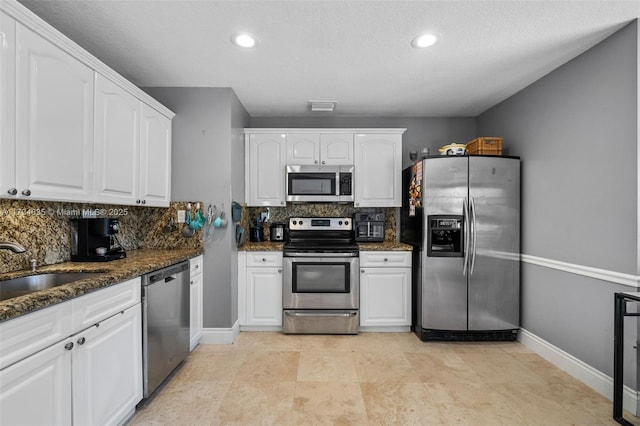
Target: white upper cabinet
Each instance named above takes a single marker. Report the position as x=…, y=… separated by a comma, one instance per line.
x=378, y=170
x=155, y=158
x=303, y=148
x=264, y=169
x=7, y=106
x=320, y=149
x=54, y=121
x=336, y=149
x=71, y=128
x=117, y=144
x=133, y=149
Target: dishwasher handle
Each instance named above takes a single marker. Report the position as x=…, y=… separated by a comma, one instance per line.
x=166, y=274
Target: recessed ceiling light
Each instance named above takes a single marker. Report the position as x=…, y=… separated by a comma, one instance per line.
x=425, y=40
x=244, y=40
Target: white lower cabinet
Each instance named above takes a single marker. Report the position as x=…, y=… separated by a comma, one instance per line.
x=195, y=312
x=107, y=369
x=37, y=390
x=91, y=376
x=260, y=289
x=385, y=289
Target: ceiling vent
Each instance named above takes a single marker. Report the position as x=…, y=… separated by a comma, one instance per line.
x=322, y=106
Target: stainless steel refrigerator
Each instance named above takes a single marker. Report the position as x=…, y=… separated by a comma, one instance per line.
x=462, y=215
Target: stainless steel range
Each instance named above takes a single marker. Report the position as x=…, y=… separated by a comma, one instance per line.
x=321, y=285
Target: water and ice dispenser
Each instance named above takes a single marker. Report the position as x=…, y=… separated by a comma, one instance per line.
x=445, y=236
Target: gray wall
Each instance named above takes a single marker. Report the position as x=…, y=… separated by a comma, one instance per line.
x=422, y=132
x=208, y=165
x=576, y=131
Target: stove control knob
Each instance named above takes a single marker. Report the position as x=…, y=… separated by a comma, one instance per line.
x=300, y=222
x=339, y=222
x=346, y=222
x=295, y=222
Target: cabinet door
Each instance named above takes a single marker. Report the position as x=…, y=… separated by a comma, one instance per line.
x=378, y=170
x=117, y=142
x=155, y=158
x=385, y=297
x=195, y=313
x=37, y=390
x=303, y=148
x=107, y=369
x=265, y=177
x=264, y=296
x=54, y=121
x=336, y=149
x=7, y=106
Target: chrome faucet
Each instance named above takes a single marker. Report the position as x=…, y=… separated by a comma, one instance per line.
x=14, y=247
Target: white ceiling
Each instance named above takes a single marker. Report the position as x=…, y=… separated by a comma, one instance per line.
x=355, y=52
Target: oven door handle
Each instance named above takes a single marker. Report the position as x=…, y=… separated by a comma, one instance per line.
x=321, y=255
x=321, y=314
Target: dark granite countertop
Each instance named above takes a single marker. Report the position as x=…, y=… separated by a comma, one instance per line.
x=277, y=246
x=263, y=246
x=137, y=263
x=385, y=246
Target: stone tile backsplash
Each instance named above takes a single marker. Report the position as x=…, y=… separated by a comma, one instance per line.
x=44, y=229
x=282, y=214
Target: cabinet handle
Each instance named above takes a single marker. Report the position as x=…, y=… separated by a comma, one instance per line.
x=191, y=283
x=12, y=191
x=279, y=271
x=81, y=341
x=315, y=162
x=386, y=260
x=362, y=270
x=138, y=201
x=264, y=260
x=69, y=346
x=144, y=201
x=26, y=192
x=282, y=203
x=197, y=266
x=323, y=162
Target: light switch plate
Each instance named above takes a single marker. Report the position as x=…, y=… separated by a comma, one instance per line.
x=182, y=216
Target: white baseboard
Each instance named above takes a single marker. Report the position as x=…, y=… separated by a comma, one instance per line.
x=381, y=329
x=220, y=336
x=593, y=378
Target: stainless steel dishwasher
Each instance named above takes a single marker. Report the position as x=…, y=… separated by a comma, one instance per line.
x=165, y=323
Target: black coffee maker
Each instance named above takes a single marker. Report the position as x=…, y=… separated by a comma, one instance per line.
x=94, y=240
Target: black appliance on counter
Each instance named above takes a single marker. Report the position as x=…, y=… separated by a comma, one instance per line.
x=369, y=226
x=94, y=240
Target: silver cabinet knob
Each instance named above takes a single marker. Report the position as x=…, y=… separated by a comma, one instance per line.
x=144, y=201
x=323, y=162
x=279, y=271
x=138, y=201
x=12, y=191
x=315, y=162
x=69, y=346
x=386, y=260
x=264, y=260
x=362, y=270
x=26, y=192
x=81, y=341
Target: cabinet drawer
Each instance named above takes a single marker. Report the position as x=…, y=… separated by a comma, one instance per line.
x=94, y=307
x=385, y=258
x=30, y=333
x=195, y=266
x=264, y=258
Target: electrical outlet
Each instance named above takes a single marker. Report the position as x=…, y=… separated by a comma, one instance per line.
x=182, y=216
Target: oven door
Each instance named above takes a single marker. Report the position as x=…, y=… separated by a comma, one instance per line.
x=320, y=282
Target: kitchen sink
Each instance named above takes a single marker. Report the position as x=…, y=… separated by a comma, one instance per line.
x=32, y=283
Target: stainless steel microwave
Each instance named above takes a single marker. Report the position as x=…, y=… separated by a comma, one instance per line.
x=320, y=184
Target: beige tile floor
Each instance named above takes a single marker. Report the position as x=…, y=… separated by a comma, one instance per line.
x=370, y=379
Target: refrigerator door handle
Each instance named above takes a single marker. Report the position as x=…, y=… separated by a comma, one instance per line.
x=465, y=264
x=472, y=209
